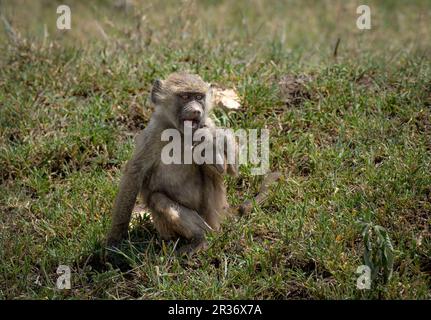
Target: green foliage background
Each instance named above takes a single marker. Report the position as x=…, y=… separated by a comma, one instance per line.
x=356, y=146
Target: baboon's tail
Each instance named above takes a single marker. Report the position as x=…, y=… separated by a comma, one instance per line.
x=262, y=195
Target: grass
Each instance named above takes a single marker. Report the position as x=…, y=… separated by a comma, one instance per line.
x=354, y=147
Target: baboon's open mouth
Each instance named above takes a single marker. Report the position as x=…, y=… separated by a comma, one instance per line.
x=191, y=123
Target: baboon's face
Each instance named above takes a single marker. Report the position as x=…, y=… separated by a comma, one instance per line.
x=191, y=109
x=184, y=99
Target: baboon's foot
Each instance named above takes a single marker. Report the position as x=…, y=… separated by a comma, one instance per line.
x=192, y=247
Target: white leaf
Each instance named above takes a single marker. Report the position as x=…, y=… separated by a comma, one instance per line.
x=227, y=98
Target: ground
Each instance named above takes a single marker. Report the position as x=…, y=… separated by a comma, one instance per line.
x=350, y=130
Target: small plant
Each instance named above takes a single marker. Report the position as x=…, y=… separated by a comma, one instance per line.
x=379, y=252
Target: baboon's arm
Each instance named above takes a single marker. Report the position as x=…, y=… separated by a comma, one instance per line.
x=135, y=173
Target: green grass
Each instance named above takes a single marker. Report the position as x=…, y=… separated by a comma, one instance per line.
x=356, y=147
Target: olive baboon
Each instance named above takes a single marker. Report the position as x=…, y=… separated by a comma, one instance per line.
x=185, y=200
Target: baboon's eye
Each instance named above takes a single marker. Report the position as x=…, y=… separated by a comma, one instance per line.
x=199, y=97
x=185, y=96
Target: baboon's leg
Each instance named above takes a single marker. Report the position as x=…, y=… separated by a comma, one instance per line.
x=172, y=219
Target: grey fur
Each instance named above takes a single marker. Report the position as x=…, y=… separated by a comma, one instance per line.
x=185, y=200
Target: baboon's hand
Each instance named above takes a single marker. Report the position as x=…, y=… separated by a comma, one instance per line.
x=220, y=162
x=227, y=154
x=221, y=146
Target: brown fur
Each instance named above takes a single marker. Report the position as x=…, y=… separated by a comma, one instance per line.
x=185, y=200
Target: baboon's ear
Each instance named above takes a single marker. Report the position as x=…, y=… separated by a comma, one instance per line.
x=156, y=91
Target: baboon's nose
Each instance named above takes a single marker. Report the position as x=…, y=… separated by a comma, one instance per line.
x=196, y=113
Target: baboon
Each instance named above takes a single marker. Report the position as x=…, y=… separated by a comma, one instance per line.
x=185, y=200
